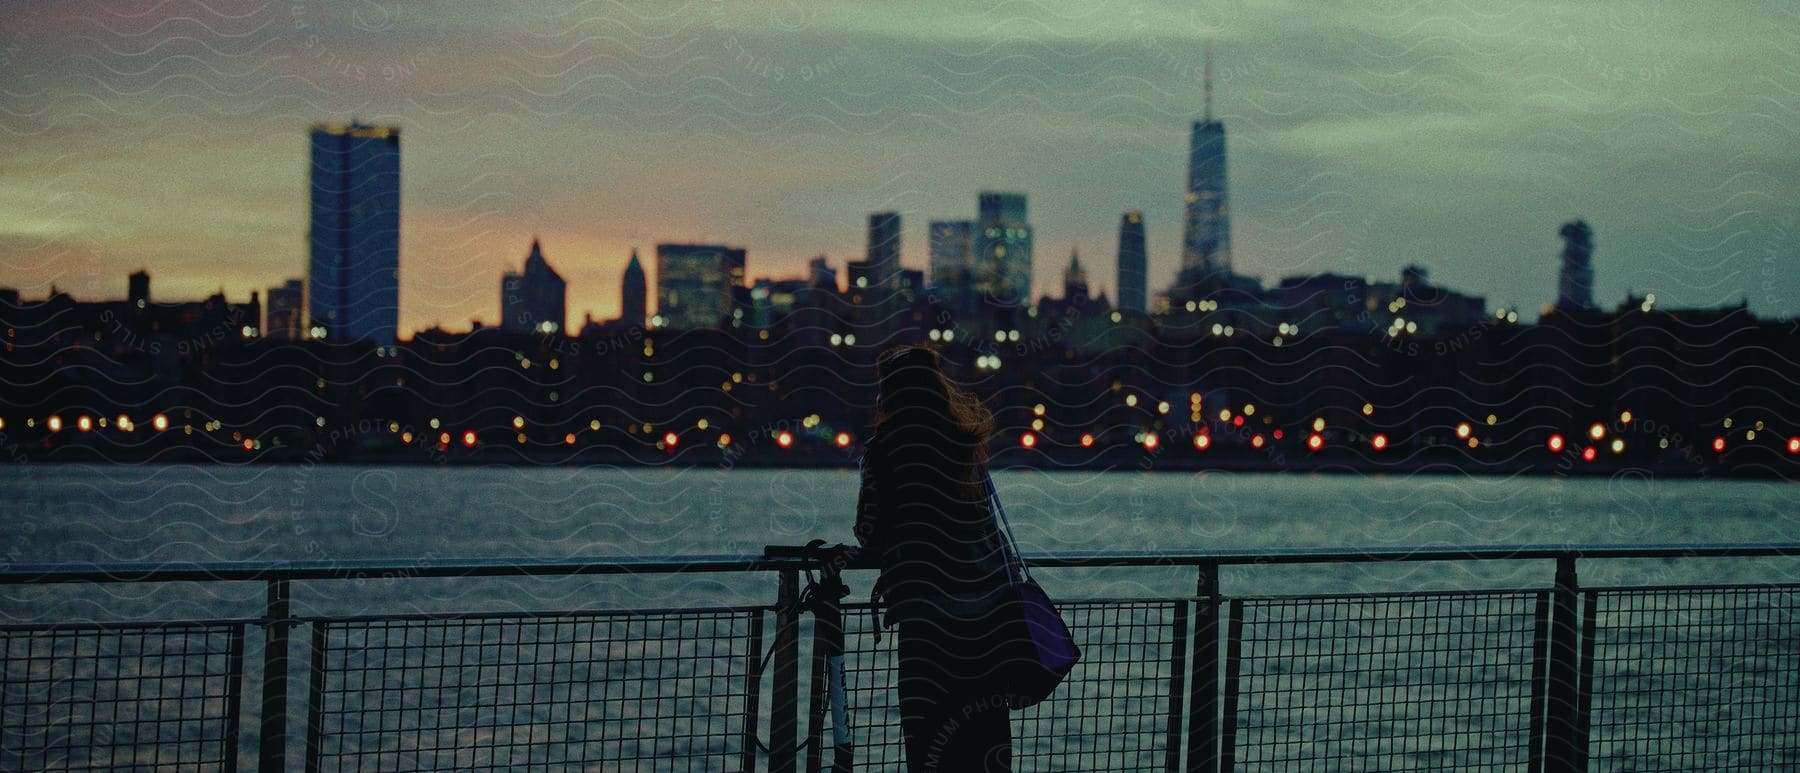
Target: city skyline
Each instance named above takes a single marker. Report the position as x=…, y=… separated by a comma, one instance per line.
x=1353, y=138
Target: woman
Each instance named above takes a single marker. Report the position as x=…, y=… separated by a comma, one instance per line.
x=923, y=511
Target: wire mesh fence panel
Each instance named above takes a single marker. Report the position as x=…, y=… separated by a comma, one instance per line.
x=1695, y=679
x=614, y=690
x=1401, y=682
x=1111, y=713
x=127, y=696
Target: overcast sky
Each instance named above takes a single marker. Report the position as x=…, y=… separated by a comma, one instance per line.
x=171, y=135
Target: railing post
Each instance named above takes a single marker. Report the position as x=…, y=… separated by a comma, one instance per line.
x=752, y=690
x=275, y=674
x=1203, y=696
x=785, y=692
x=1177, y=685
x=1561, y=752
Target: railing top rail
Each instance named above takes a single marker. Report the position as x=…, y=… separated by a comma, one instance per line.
x=177, y=571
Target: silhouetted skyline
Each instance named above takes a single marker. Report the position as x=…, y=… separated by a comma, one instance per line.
x=169, y=137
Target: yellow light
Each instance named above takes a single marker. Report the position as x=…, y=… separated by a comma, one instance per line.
x=518, y=422
x=1037, y=424
x=1597, y=431
x=1368, y=409
x=1224, y=414
x=569, y=439
x=1474, y=442
x=434, y=423
x=160, y=422
x=54, y=423
x=594, y=425
x=1319, y=424
x=1131, y=400
x=1462, y=429
x=701, y=424
x=406, y=437
x=1492, y=419
x=1624, y=417
x=1038, y=409
x=1162, y=407
x=1618, y=446
x=724, y=439
x=1249, y=409
x=84, y=423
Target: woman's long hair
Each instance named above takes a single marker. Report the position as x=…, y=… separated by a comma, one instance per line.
x=915, y=392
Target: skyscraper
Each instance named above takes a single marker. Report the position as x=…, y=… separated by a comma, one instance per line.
x=354, y=233
x=633, y=295
x=533, y=300
x=1575, y=286
x=951, y=250
x=1075, y=282
x=285, y=311
x=884, y=246
x=1003, y=248
x=1206, y=239
x=697, y=284
x=1132, y=257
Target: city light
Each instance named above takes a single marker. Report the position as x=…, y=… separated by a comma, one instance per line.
x=842, y=440
x=1462, y=430
x=1618, y=446
x=724, y=439
x=249, y=445
x=1597, y=431
x=568, y=439
x=1555, y=444
x=1368, y=409
x=1588, y=454
x=518, y=422
x=84, y=423
x=1257, y=441
x=1087, y=440
x=1315, y=441
x=54, y=423
x=1794, y=445
x=469, y=438
x=1718, y=445
x=1150, y=441
x=1624, y=417
x=1278, y=433
x=671, y=439
x=1379, y=442
x=784, y=438
x=1028, y=440
x=1319, y=424
x=1202, y=442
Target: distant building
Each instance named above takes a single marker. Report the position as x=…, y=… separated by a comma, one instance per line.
x=137, y=292
x=354, y=233
x=697, y=284
x=952, y=259
x=286, y=312
x=1075, y=281
x=1575, y=287
x=633, y=293
x=821, y=274
x=884, y=245
x=1206, y=229
x=1132, y=259
x=534, y=299
x=1003, y=248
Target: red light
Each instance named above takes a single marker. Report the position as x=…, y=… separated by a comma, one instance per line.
x=784, y=439
x=569, y=439
x=1202, y=442
x=469, y=438
x=1087, y=440
x=1150, y=441
x=249, y=445
x=724, y=439
x=1379, y=442
x=1719, y=444
x=1794, y=445
x=1237, y=421
x=1278, y=434
x=1315, y=441
x=843, y=440
x=1588, y=454
x=1028, y=440
x=1256, y=442
x=1555, y=444
x=671, y=439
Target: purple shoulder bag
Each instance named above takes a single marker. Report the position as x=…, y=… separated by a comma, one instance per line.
x=1040, y=651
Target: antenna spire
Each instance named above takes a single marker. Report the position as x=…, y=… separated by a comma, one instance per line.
x=1208, y=80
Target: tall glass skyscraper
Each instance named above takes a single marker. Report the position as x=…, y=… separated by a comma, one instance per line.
x=353, y=286
x=1206, y=243
x=884, y=246
x=696, y=284
x=1131, y=262
x=1003, y=248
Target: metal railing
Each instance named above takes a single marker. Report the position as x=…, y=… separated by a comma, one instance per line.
x=1555, y=678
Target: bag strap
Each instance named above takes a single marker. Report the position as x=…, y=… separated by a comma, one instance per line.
x=1009, y=547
